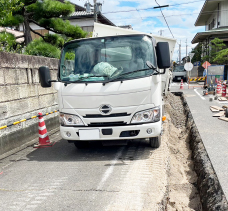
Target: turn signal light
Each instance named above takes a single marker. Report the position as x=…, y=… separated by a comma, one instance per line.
x=163, y=118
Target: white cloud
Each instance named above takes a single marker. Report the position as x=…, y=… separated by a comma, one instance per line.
x=151, y=21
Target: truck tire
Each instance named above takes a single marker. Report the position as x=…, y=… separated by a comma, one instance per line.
x=155, y=142
x=226, y=112
x=81, y=144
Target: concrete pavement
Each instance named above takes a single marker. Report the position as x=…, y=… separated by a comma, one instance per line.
x=214, y=132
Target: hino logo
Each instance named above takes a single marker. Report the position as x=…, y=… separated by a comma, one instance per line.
x=105, y=109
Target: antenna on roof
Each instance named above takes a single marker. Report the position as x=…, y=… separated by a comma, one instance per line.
x=88, y=6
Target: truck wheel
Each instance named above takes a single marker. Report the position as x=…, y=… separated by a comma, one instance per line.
x=155, y=142
x=226, y=112
x=81, y=144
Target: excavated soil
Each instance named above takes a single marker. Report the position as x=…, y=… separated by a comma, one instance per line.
x=182, y=182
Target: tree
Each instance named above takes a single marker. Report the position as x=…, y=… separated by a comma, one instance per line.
x=221, y=57
x=198, y=52
x=48, y=14
x=7, y=42
x=215, y=46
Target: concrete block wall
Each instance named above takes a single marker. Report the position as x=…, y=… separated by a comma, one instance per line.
x=21, y=97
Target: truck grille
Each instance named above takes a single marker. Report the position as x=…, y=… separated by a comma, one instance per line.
x=104, y=116
x=106, y=124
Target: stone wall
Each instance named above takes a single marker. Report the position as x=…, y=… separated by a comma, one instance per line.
x=22, y=97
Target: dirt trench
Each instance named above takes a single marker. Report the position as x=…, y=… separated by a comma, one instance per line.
x=192, y=181
x=182, y=192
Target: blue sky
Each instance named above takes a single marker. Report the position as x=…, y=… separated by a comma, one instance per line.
x=180, y=15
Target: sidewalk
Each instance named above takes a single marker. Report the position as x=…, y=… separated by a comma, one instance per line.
x=214, y=132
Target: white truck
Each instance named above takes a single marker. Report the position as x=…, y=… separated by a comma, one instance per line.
x=110, y=86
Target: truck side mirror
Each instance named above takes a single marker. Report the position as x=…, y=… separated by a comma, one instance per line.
x=163, y=55
x=44, y=75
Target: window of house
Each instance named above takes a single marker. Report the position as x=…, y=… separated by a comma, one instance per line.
x=213, y=23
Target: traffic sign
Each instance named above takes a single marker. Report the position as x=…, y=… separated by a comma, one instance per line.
x=206, y=65
x=191, y=55
x=188, y=66
x=197, y=63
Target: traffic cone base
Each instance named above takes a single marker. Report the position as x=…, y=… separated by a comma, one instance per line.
x=44, y=145
x=44, y=140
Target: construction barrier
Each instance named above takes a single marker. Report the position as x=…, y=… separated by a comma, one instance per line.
x=224, y=90
x=23, y=120
x=219, y=88
x=197, y=79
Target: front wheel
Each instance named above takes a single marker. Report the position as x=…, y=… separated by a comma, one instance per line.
x=226, y=112
x=81, y=144
x=155, y=142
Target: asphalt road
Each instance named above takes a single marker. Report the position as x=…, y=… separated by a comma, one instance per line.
x=212, y=130
x=99, y=178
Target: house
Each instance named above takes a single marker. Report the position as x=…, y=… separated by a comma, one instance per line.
x=80, y=17
x=126, y=27
x=214, y=16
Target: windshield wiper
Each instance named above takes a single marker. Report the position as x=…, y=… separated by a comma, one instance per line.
x=80, y=79
x=91, y=76
x=113, y=79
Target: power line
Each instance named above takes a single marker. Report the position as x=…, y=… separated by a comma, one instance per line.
x=149, y=8
x=165, y=19
x=182, y=14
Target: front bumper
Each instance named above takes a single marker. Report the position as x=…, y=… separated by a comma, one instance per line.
x=116, y=132
x=178, y=78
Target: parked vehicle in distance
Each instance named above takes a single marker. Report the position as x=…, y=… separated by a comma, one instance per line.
x=179, y=73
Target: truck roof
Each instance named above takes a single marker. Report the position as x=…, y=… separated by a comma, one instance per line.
x=101, y=30
x=121, y=35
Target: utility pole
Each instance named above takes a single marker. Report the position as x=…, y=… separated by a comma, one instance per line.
x=97, y=7
x=180, y=52
x=160, y=32
x=95, y=10
x=186, y=50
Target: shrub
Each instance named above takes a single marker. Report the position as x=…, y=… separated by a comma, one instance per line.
x=40, y=48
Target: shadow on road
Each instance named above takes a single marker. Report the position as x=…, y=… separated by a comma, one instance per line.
x=64, y=151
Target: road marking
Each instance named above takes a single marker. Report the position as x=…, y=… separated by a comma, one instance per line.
x=109, y=171
x=199, y=94
x=223, y=102
x=31, y=206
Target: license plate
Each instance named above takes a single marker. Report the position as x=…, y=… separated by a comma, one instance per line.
x=178, y=78
x=93, y=134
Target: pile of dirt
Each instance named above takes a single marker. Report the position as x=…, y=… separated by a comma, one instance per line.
x=183, y=193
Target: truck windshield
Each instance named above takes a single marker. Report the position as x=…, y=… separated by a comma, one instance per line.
x=179, y=69
x=103, y=59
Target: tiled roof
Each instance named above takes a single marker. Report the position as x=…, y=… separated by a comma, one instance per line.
x=101, y=18
x=200, y=36
x=81, y=13
x=77, y=7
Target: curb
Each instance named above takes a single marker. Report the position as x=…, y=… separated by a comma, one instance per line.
x=211, y=193
x=30, y=143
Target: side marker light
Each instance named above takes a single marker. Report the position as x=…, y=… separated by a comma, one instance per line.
x=163, y=118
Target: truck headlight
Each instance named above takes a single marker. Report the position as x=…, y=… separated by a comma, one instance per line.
x=150, y=115
x=70, y=120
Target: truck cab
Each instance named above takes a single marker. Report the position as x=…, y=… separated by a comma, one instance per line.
x=179, y=73
x=110, y=88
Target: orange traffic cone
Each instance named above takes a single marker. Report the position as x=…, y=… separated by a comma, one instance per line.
x=44, y=140
x=224, y=90
x=181, y=85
